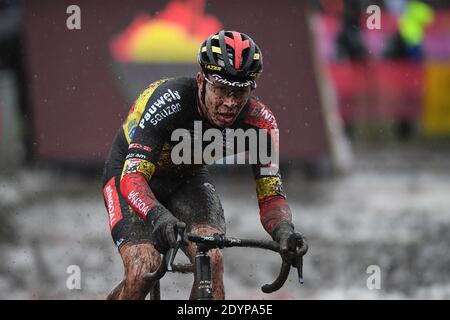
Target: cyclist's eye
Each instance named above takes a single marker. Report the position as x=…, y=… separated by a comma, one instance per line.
x=222, y=90
x=240, y=93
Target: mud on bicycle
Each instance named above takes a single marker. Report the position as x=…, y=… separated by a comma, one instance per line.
x=201, y=268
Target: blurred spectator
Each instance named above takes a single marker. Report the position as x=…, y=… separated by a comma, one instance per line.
x=407, y=41
x=349, y=42
x=11, y=58
x=395, y=7
x=9, y=33
x=406, y=44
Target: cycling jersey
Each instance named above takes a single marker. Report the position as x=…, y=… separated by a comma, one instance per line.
x=143, y=146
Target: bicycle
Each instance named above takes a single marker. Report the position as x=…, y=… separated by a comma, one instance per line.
x=202, y=268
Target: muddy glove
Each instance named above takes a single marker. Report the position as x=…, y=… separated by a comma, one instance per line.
x=164, y=229
x=293, y=245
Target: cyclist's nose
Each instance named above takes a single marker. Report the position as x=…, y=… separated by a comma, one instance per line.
x=230, y=101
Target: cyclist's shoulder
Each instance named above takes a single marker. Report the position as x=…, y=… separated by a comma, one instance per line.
x=167, y=101
x=259, y=115
x=173, y=88
x=185, y=86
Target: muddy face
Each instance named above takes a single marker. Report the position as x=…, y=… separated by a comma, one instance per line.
x=222, y=103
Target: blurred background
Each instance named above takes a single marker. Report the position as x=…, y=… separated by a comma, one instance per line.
x=360, y=92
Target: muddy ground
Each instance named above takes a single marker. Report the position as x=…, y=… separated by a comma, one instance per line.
x=391, y=210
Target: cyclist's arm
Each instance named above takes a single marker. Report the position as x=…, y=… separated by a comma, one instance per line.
x=273, y=206
x=136, y=174
x=145, y=144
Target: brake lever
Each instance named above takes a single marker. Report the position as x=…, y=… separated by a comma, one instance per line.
x=172, y=252
x=300, y=247
x=298, y=263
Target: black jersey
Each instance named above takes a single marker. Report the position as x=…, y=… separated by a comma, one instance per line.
x=144, y=142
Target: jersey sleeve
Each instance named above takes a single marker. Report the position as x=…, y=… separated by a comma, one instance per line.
x=146, y=129
x=269, y=187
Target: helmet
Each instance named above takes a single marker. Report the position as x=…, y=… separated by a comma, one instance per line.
x=232, y=58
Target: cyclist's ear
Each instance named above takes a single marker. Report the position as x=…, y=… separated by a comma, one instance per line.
x=199, y=78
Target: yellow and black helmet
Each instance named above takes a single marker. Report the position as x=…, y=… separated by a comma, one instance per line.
x=232, y=57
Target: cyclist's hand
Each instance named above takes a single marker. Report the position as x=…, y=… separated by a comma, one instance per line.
x=164, y=234
x=293, y=244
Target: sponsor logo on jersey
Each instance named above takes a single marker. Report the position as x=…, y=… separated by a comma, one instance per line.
x=112, y=202
x=136, y=155
x=139, y=146
x=264, y=113
x=174, y=108
x=131, y=128
x=164, y=105
x=137, y=202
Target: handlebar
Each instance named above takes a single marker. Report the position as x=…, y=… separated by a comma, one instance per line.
x=208, y=242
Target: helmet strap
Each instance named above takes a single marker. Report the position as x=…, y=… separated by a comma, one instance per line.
x=201, y=100
x=203, y=93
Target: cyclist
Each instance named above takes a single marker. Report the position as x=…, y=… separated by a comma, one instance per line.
x=146, y=194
